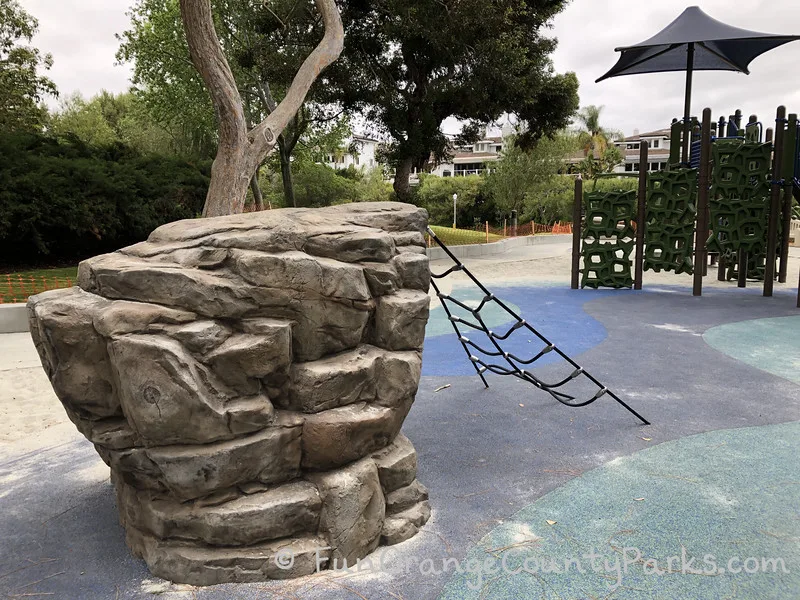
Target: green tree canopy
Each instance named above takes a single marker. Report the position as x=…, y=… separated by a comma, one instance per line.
x=264, y=43
x=164, y=78
x=22, y=88
x=410, y=64
x=517, y=180
x=107, y=119
x=66, y=200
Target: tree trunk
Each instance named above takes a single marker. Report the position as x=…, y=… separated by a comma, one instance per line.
x=286, y=174
x=240, y=151
x=402, y=176
x=258, y=199
x=230, y=177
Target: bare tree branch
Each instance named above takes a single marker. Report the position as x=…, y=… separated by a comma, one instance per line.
x=327, y=51
x=265, y=93
x=277, y=18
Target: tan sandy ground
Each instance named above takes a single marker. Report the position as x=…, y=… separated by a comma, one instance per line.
x=552, y=262
x=30, y=413
x=31, y=416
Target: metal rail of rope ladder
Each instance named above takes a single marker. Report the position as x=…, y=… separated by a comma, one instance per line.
x=509, y=364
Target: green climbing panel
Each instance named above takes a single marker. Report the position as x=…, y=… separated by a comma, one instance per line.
x=739, y=203
x=670, y=217
x=608, y=239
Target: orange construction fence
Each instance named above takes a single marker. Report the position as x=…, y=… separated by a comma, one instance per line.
x=531, y=228
x=16, y=288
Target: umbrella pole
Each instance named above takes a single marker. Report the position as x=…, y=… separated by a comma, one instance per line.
x=687, y=106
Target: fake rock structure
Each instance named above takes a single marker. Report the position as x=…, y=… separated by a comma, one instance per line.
x=246, y=379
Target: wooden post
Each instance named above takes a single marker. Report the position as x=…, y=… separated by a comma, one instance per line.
x=721, y=268
x=577, y=210
x=487, y=232
x=770, y=133
x=789, y=163
x=741, y=280
x=798, y=293
x=752, y=121
x=701, y=228
x=675, y=144
x=640, y=217
x=774, y=201
x=505, y=221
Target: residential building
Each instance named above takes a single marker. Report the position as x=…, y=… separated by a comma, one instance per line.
x=658, y=143
x=472, y=159
x=358, y=151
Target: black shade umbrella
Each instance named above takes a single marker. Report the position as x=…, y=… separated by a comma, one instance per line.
x=695, y=42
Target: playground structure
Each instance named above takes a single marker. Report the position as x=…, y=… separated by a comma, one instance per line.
x=731, y=198
x=508, y=363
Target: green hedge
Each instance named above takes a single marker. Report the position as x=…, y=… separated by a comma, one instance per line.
x=64, y=200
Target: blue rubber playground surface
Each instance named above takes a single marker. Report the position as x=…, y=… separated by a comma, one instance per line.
x=702, y=504
x=555, y=311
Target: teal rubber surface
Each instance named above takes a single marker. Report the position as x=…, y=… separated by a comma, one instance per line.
x=729, y=495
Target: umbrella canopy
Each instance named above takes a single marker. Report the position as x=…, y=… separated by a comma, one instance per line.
x=695, y=41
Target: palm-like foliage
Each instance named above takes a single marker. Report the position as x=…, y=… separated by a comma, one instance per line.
x=594, y=138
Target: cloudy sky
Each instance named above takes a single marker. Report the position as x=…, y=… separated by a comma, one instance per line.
x=80, y=35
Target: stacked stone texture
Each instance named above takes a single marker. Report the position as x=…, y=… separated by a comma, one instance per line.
x=246, y=379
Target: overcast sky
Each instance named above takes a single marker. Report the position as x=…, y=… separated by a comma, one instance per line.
x=80, y=35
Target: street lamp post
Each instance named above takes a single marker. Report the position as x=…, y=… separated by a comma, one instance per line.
x=455, y=198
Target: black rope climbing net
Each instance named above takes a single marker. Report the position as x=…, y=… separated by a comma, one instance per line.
x=483, y=357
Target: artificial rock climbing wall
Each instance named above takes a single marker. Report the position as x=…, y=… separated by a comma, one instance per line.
x=608, y=239
x=669, y=220
x=246, y=379
x=739, y=203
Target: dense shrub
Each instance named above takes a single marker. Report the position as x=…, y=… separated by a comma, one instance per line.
x=317, y=185
x=545, y=202
x=63, y=200
x=554, y=201
x=473, y=205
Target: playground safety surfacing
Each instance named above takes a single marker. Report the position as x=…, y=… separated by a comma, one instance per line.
x=513, y=474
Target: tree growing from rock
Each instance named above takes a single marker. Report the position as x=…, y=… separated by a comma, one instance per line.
x=265, y=45
x=410, y=64
x=243, y=146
